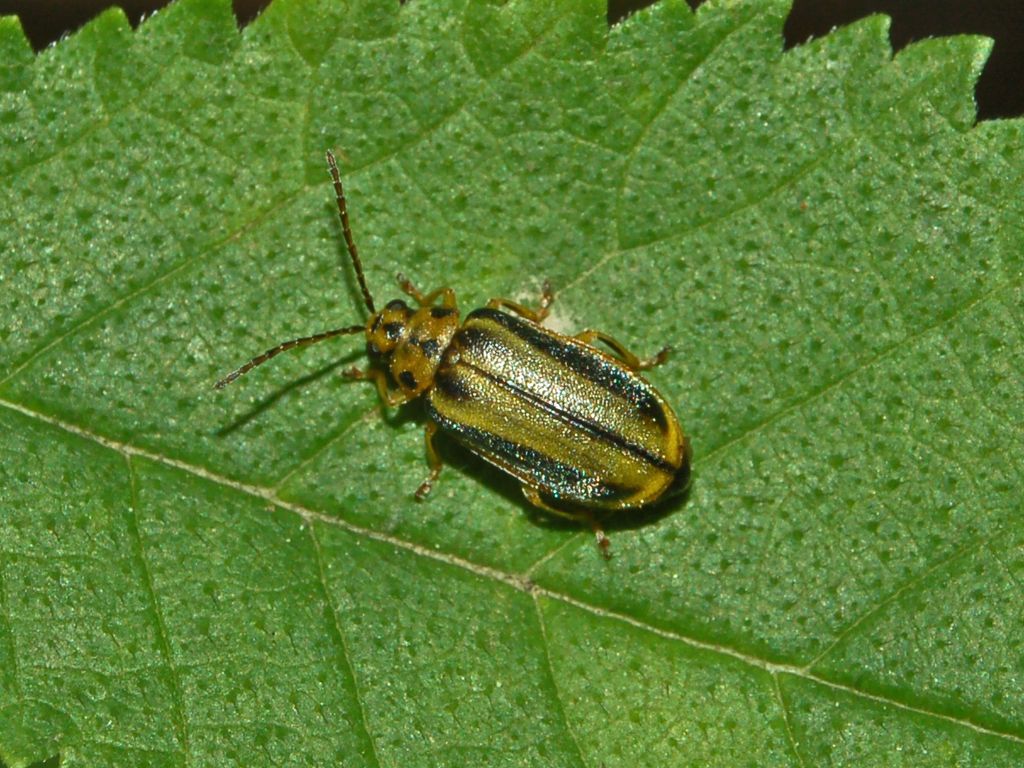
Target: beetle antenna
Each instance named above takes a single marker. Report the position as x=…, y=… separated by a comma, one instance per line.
x=305, y=341
x=332, y=166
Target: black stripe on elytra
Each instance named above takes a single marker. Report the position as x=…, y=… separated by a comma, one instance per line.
x=592, y=428
x=448, y=382
x=557, y=475
x=603, y=491
x=617, y=379
x=555, y=472
x=472, y=338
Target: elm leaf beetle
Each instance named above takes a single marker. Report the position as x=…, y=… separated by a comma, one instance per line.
x=577, y=426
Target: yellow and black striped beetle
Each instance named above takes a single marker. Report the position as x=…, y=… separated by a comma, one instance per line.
x=580, y=430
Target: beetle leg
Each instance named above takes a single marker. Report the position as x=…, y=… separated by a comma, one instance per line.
x=632, y=361
x=379, y=378
x=519, y=309
x=447, y=298
x=447, y=294
x=603, y=542
x=547, y=296
x=433, y=458
x=408, y=288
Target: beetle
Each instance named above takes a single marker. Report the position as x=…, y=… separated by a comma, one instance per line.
x=577, y=426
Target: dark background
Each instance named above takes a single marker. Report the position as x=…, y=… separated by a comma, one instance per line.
x=1000, y=91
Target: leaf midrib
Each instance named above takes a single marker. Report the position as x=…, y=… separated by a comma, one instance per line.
x=519, y=582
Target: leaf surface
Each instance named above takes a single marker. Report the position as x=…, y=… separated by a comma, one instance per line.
x=828, y=242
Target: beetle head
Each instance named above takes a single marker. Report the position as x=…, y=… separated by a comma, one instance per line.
x=387, y=329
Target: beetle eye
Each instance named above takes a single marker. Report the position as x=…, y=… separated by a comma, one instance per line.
x=393, y=330
x=396, y=304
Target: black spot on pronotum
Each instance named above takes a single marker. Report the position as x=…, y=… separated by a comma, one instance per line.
x=441, y=312
x=407, y=380
x=431, y=347
x=393, y=330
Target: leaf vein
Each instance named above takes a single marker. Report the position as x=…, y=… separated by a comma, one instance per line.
x=170, y=272
x=554, y=680
x=180, y=717
x=893, y=596
x=514, y=581
x=836, y=383
x=785, y=720
x=336, y=626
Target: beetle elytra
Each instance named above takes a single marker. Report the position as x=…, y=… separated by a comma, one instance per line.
x=577, y=426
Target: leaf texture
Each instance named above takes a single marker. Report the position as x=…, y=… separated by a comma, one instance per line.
x=830, y=244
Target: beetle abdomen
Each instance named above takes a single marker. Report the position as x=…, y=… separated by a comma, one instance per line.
x=558, y=414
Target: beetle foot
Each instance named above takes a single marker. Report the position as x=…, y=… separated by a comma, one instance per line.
x=658, y=359
x=354, y=373
x=603, y=543
x=547, y=296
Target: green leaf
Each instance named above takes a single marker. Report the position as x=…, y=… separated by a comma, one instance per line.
x=831, y=246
